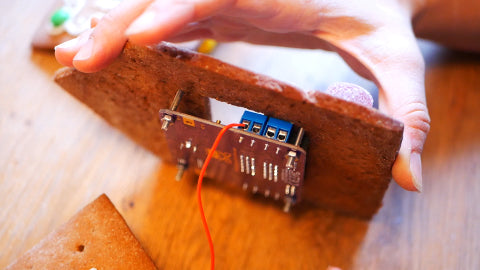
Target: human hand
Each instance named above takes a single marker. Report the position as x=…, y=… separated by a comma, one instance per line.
x=375, y=39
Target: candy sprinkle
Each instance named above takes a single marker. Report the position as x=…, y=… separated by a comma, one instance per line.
x=59, y=17
x=207, y=46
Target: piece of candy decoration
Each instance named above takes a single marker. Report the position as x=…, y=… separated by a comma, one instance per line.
x=207, y=46
x=59, y=17
x=350, y=92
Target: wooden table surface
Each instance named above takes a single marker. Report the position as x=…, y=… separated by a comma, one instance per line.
x=56, y=156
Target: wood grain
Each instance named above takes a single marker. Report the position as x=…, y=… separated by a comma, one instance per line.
x=56, y=156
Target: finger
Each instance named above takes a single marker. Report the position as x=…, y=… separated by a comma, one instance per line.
x=391, y=58
x=93, y=22
x=66, y=51
x=164, y=18
x=403, y=97
x=106, y=40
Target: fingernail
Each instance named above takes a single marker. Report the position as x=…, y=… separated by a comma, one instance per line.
x=85, y=52
x=67, y=44
x=416, y=169
x=142, y=23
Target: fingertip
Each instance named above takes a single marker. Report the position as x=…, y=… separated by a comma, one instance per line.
x=407, y=169
x=93, y=22
x=98, y=47
x=64, y=56
x=416, y=169
x=87, y=64
x=84, y=60
x=401, y=174
x=95, y=55
x=85, y=51
x=66, y=52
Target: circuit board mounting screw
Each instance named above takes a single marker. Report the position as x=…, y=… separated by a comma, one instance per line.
x=167, y=119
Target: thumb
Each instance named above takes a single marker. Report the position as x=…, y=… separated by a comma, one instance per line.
x=390, y=57
x=402, y=96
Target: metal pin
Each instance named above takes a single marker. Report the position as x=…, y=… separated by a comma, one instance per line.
x=266, y=146
x=242, y=164
x=247, y=164
x=288, y=204
x=181, y=169
x=264, y=170
x=176, y=100
x=267, y=193
x=292, y=190
x=287, y=189
x=275, y=173
x=299, y=138
x=252, y=142
x=277, y=196
x=245, y=186
x=240, y=140
x=270, y=172
x=254, y=189
x=188, y=144
x=167, y=119
x=278, y=150
x=253, y=166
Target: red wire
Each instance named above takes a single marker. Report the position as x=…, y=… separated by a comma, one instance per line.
x=199, y=188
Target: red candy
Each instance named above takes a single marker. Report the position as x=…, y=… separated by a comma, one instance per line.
x=350, y=92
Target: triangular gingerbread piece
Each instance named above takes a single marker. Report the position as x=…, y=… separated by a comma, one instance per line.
x=97, y=237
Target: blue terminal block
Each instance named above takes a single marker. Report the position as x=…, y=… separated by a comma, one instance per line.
x=278, y=129
x=254, y=122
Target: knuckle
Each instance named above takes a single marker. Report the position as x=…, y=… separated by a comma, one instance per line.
x=416, y=116
x=417, y=123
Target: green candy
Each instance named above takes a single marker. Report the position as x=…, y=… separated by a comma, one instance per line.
x=59, y=17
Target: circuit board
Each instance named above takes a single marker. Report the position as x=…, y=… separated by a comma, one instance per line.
x=243, y=159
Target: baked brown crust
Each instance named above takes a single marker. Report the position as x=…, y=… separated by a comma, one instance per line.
x=351, y=147
x=96, y=237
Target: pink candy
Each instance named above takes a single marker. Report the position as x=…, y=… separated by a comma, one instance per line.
x=350, y=92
